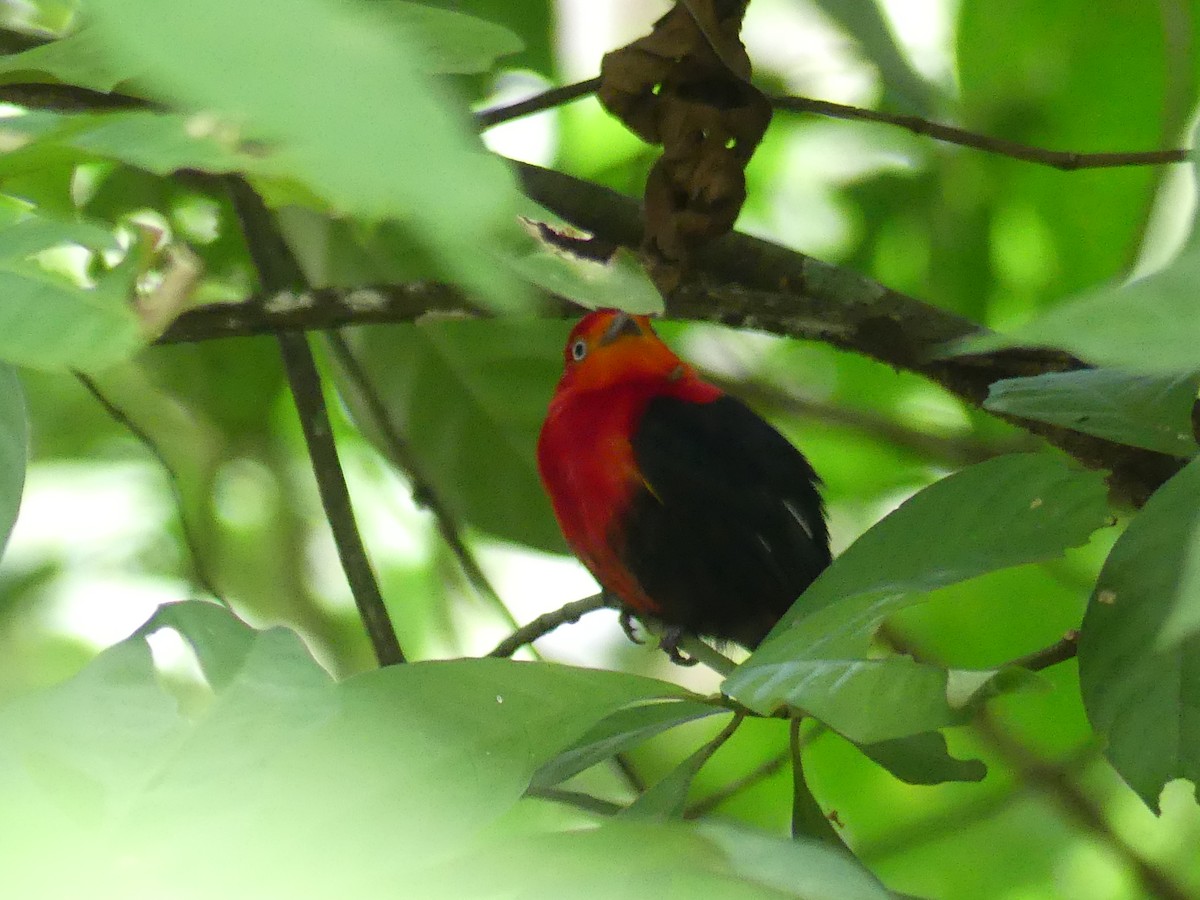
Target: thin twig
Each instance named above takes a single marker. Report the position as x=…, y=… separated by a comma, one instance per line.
x=118, y=415
x=546, y=100
x=705, y=805
x=1058, y=652
x=546, y=623
x=578, y=799
x=278, y=270
x=424, y=492
x=629, y=773
x=1065, y=160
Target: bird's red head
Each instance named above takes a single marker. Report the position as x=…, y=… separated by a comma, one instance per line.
x=608, y=346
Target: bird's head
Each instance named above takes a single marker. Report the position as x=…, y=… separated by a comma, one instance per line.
x=608, y=347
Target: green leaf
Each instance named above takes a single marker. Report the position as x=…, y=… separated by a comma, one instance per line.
x=923, y=759
x=14, y=449
x=469, y=397
x=622, y=730
x=620, y=283
x=1005, y=512
x=637, y=859
x=1150, y=411
x=666, y=798
x=161, y=143
x=423, y=756
x=48, y=322
x=451, y=43
x=307, y=77
x=1147, y=326
x=1139, y=646
x=77, y=59
x=220, y=640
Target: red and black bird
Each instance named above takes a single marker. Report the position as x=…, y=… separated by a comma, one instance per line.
x=682, y=502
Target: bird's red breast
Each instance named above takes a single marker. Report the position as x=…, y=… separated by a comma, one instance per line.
x=680, y=500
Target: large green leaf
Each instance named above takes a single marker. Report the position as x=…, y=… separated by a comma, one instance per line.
x=631, y=860
x=77, y=59
x=47, y=321
x=422, y=756
x=1004, y=512
x=336, y=92
x=1151, y=411
x=1139, y=647
x=14, y=448
x=1147, y=326
x=451, y=42
x=469, y=397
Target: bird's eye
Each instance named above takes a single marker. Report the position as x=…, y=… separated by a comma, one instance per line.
x=578, y=350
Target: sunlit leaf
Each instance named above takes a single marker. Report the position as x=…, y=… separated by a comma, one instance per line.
x=631, y=860
x=1150, y=411
x=14, y=448
x=76, y=59
x=451, y=42
x=1004, y=512
x=116, y=776
x=1161, y=338
x=410, y=158
x=1139, y=647
x=48, y=322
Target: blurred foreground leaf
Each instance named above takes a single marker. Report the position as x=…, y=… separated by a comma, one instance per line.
x=14, y=448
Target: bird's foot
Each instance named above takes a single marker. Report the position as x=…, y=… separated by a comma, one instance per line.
x=628, y=626
x=669, y=644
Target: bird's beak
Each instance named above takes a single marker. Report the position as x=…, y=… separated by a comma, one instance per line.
x=622, y=324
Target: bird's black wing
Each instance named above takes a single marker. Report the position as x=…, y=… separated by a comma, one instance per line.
x=730, y=529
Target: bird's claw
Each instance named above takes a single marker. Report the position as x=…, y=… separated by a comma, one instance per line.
x=626, y=619
x=669, y=644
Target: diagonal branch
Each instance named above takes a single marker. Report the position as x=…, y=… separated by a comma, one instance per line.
x=278, y=270
x=423, y=489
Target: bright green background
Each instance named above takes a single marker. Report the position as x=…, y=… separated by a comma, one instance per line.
x=258, y=769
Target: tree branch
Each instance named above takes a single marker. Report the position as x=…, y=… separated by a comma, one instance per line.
x=1067, y=161
x=568, y=614
x=200, y=577
x=278, y=270
x=425, y=494
x=950, y=450
x=1056, y=653
x=546, y=100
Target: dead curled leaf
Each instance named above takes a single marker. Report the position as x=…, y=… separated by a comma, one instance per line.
x=686, y=86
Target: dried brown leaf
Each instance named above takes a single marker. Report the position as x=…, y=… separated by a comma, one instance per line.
x=686, y=86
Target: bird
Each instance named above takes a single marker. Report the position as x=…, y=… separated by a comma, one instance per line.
x=684, y=503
